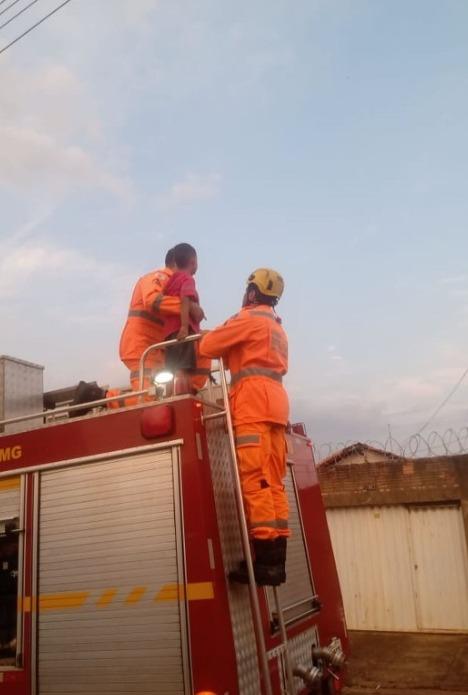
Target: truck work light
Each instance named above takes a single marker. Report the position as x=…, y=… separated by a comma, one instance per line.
x=164, y=377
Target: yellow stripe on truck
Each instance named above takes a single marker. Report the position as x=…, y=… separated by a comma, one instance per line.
x=57, y=602
x=196, y=591
x=136, y=595
x=106, y=597
x=9, y=484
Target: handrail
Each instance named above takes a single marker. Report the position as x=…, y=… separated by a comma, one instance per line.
x=102, y=401
x=161, y=346
x=67, y=408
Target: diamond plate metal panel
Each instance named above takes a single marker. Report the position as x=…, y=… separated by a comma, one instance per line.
x=297, y=594
x=239, y=602
x=21, y=392
x=300, y=650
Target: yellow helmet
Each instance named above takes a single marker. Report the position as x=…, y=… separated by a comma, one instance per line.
x=268, y=281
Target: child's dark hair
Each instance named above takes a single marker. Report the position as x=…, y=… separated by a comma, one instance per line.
x=170, y=258
x=182, y=255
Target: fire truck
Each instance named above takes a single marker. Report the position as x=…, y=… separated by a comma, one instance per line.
x=118, y=530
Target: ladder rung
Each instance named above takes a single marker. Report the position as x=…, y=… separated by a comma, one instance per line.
x=276, y=651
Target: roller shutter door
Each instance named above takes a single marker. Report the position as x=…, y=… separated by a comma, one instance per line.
x=107, y=550
x=9, y=498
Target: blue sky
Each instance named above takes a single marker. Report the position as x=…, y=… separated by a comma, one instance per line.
x=327, y=139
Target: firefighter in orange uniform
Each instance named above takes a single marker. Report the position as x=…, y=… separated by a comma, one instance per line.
x=145, y=325
x=255, y=348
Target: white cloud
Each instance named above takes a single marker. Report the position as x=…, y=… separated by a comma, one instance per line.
x=23, y=261
x=414, y=388
x=454, y=280
x=48, y=134
x=32, y=159
x=64, y=308
x=136, y=12
x=191, y=189
x=49, y=99
x=334, y=355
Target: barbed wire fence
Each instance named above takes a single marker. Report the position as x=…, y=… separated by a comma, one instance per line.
x=450, y=442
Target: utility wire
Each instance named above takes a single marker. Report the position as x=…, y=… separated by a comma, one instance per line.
x=9, y=6
x=445, y=401
x=18, y=13
x=5, y=48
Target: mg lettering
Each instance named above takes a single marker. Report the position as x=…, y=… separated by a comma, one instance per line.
x=11, y=453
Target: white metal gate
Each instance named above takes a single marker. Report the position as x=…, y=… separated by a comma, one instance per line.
x=108, y=562
x=402, y=567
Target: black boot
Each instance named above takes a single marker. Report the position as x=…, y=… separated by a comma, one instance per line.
x=281, y=545
x=267, y=565
x=86, y=392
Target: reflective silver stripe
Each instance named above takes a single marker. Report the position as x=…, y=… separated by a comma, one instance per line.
x=157, y=302
x=141, y=314
x=248, y=439
x=266, y=314
x=256, y=371
x=274, y=523
x=270, y=523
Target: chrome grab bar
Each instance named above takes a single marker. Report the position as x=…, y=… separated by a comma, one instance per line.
x=161, y=346
x=102, y=401
x=70, y=408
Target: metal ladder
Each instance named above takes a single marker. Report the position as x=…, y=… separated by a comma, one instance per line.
x=253, y=589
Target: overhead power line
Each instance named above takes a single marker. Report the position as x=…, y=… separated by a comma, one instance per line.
x=445, y=401
x=31, y=28
x=9, y=6
x=18, y=13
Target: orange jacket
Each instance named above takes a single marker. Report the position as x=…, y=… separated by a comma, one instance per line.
x=145, y=325
x=255, y=347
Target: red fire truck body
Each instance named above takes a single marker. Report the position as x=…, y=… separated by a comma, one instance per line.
x=126, y=529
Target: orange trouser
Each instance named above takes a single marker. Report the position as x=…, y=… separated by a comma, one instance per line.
x=152, y=364
x=261, y=456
